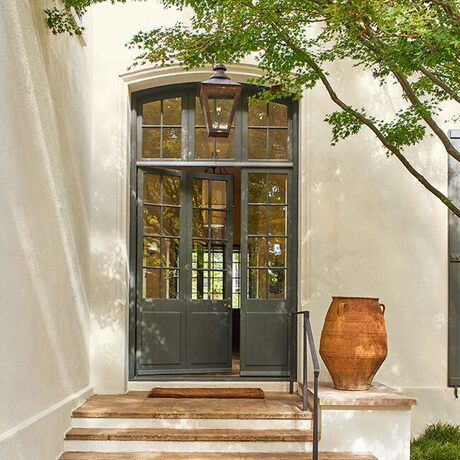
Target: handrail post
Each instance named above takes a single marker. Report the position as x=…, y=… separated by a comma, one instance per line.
x=315, y=417
x=308, y=341
x=305, y=339
x=292, y=354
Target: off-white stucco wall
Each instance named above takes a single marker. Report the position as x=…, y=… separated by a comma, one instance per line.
x=44, y=230
x=373, y=230
x=366, y=226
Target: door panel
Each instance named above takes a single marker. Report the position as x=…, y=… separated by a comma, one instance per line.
x=184, y=241
x=267, y=348
x=160, y=311
x=209, y=347
x=209, y=314
x=160, y=338
x=267, y=296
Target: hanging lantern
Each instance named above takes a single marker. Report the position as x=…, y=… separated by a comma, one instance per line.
x=219, y=97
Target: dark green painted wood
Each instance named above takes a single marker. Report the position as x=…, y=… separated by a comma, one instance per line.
x=160, y=323
x=183, y=335
x=454, y=268
x=267, y=338
x=209, y=322
x=265, y=323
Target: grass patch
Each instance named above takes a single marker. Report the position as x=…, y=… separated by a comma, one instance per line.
x=440, y=441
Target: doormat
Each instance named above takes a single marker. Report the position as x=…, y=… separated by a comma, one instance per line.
x=211, y=393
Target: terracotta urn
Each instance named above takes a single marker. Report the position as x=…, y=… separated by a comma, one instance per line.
x=354, y=341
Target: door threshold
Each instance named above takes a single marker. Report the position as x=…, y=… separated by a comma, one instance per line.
x=208, y=378
x=266, y=383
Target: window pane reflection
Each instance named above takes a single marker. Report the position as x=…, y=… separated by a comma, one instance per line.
x=267, y=131
x=161, y=131
x=267, y=252
x=161, y=240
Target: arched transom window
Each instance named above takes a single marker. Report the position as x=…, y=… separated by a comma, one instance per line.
x=171, y=126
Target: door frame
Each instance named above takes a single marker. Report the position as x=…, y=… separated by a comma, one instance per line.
x=243, y=163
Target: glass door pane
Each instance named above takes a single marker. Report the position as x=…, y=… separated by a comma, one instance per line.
x=267, y=282
x=161, y=236
x=209, y=295
x=209, y=238
x=267, y=238
x=160, y=272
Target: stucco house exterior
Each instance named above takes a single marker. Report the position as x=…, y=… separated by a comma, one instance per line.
x=77, y=149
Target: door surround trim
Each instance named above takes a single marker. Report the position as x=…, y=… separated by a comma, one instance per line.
x=114, y=376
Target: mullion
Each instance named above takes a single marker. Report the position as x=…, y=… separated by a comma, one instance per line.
x=267, y=145
x=260, y=267
x=267, y=193
x=159, y=204
x=263, y=235
x=209, y=234
x=263, y=204
x=161, y=231
x=164, y=126
x=267, y=126
x=161, y=128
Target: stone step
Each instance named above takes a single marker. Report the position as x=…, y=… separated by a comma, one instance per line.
x=137, y=405
x=212, y=456
x=165, y=434
x=185, y=440
x=193, y=423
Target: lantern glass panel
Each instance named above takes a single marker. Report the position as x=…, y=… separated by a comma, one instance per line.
x=218, y=103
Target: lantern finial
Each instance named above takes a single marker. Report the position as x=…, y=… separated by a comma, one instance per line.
x=219, y=72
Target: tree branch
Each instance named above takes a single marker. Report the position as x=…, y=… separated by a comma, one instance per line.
x=447, y=8
x=454, y=95
x=366, y=121
x=376, y=48
x=451, y=150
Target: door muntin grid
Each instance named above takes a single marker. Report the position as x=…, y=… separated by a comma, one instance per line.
x=209, y=239
x=267, y=236
x=161, y=238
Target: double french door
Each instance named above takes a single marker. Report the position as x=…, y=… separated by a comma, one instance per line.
x=185, y=272
x=184, y=277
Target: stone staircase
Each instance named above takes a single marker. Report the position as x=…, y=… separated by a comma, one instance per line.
x=132, y=426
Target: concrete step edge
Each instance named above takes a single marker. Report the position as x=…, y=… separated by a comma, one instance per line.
x=122, y=423
x=212, y=456
x=179, y=435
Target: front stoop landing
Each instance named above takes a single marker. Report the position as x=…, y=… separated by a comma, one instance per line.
x=135, y=427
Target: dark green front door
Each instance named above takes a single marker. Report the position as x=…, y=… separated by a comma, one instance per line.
x=268, y=281
x=184, y=240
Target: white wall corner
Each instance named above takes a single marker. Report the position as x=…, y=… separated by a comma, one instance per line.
x=41, y=436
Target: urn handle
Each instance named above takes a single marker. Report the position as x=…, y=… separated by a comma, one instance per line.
x=340, y=309
x=383, y=308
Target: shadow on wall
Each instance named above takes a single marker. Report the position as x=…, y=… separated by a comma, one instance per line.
x=377, y=232
x=386, y=434
x=46, y=204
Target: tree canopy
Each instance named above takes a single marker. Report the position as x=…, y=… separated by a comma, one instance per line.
x=414, y=44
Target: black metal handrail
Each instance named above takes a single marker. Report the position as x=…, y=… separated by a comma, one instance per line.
x=308, y=342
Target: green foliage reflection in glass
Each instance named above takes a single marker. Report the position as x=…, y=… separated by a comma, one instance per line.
x=267, y=131
x=267, y=235
x=161, y=240
x=161, y=128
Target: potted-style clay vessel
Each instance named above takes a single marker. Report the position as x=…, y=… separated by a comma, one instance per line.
x=354, y=341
